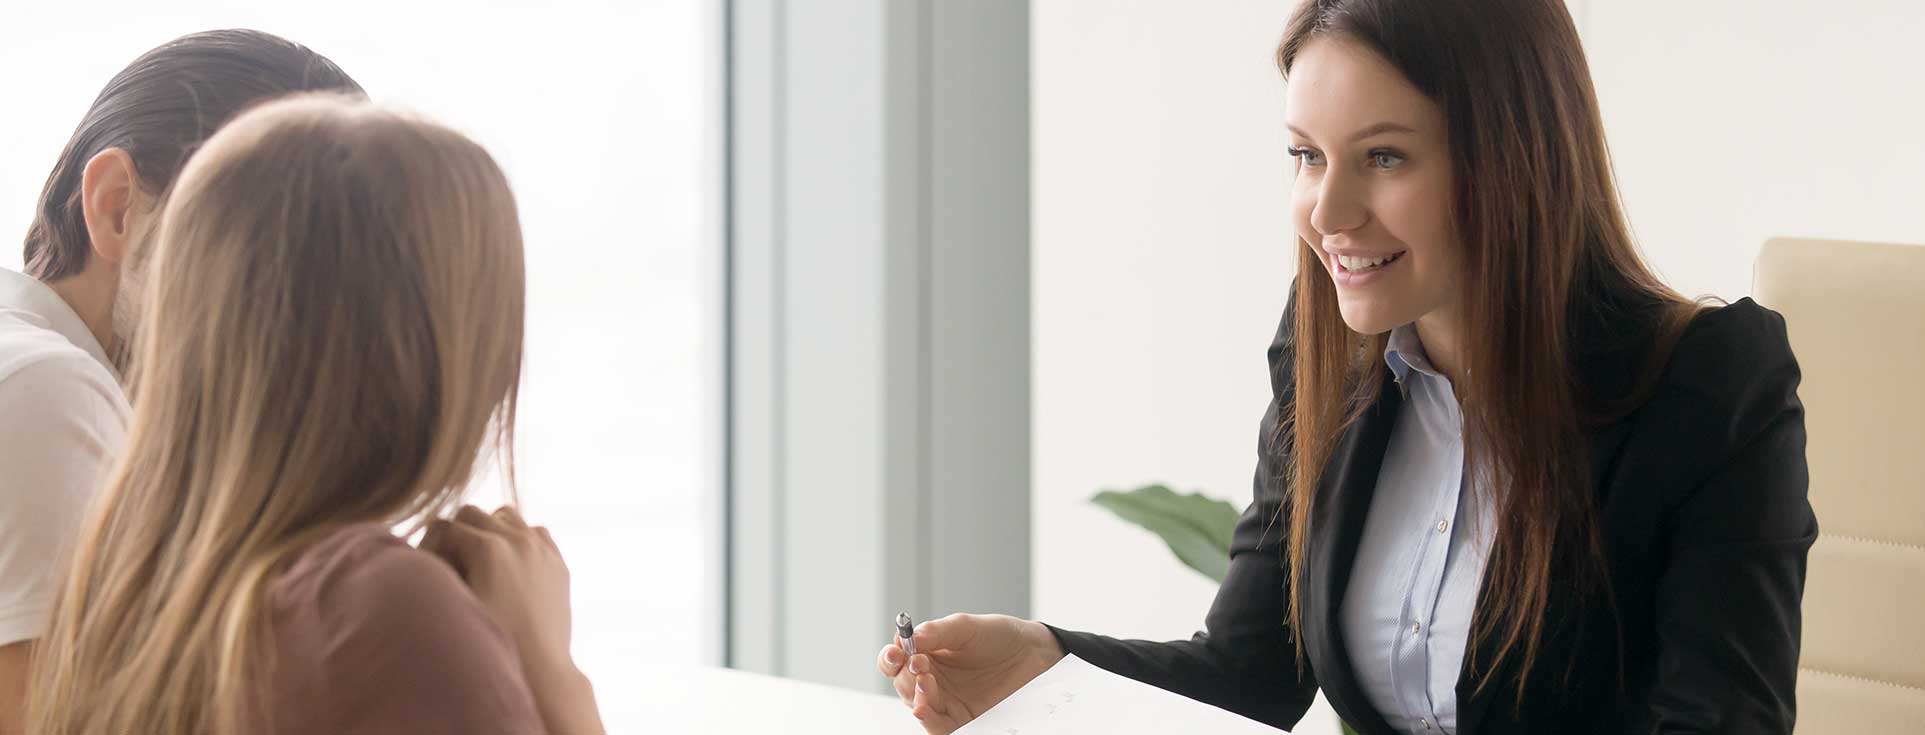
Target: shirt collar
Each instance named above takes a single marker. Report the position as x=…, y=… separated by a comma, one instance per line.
x=21, y=292
x=1405, y=353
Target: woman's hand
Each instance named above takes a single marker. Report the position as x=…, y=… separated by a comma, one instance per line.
x=518, y=574
x=965, y=664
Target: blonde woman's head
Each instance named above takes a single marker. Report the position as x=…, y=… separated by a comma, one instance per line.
x=342, y=286
x=332, y=334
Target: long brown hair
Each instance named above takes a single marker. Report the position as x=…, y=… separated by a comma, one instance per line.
x=1548, y=258
x=159, y=109
x=334, y=336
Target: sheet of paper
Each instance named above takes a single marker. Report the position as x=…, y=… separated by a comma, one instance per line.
x=1074, y=697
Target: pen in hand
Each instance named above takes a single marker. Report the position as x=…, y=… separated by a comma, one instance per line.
x=906, y=629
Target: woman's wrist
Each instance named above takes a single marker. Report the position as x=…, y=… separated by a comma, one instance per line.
x=1043, y=640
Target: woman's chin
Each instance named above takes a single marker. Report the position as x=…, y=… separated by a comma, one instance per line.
x=1364, y=317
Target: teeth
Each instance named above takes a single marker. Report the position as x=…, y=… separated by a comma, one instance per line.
x=1356, y=263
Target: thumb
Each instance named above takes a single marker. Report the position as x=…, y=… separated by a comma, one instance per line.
x=948, y=633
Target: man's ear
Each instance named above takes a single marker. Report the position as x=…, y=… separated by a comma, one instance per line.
x=109, y=195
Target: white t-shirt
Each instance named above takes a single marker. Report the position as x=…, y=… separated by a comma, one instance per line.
x=63, y=419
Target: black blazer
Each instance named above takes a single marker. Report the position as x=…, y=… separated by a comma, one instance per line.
x=1701, y=497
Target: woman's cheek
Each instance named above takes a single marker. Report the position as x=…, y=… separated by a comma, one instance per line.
x=1415, y=213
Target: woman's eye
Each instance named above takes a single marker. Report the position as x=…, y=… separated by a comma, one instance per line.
x=1308, y=156
x=1385, y=159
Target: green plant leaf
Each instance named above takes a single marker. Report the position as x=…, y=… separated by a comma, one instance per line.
x=1196, y=527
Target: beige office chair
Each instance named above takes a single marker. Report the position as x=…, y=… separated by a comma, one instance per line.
x=1856, y=315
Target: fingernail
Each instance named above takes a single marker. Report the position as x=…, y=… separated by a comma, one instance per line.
x=915, y=666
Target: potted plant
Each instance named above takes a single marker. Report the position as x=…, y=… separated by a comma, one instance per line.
x=1196, y=527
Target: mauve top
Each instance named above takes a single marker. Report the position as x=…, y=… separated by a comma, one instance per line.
x=370, y=635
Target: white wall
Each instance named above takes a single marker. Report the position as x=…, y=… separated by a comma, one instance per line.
x=1161, y=240
x=1161, y=259
x=1732, y=122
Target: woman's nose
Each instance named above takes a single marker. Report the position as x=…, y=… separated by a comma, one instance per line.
x=1340, y=206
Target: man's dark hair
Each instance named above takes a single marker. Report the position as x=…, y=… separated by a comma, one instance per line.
x=159, y=110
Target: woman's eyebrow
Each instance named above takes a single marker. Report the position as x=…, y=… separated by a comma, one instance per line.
x=1381, y=128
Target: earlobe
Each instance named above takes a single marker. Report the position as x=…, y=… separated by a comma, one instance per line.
x=109, y=194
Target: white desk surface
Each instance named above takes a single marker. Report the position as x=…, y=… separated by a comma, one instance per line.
x=703, y=700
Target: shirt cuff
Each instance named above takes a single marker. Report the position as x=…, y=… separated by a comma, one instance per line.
x=24, y=622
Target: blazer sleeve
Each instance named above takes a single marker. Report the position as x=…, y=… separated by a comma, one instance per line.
x=1727, y=601
x=1244, y=660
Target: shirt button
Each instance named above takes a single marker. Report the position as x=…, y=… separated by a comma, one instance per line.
x=1443, y=526
x=1426, y=724
x=1416, y=627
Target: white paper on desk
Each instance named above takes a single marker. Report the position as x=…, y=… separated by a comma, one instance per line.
x=1074, y=697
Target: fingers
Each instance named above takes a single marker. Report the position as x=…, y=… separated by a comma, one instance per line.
x=929, y=705
x=453, y=542
x=510, y=517
x=914, y=677
x=477, y=518
x=890, y=662
x=505, y=522
x=434, y=537
x=905, y=685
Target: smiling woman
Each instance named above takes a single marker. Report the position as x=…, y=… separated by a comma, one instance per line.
x=1581, y=507
x=1464, y=211
x=1377, y=210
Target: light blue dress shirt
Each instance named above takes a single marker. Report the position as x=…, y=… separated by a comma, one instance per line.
x=1407, y=612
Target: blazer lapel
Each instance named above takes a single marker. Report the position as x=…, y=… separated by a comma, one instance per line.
x=1342, y=503
x=1610, y=337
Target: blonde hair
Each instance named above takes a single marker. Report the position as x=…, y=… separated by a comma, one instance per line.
x=333, y=335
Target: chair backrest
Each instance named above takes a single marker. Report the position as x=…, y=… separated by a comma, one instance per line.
x=1856, y=315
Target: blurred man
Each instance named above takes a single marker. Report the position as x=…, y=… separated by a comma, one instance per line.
x=67, y=323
